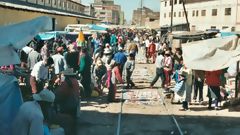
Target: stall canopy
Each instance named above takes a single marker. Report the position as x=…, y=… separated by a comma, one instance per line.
x=50, y=35
x=212, y=54
x=96, y=27
x=16, y=36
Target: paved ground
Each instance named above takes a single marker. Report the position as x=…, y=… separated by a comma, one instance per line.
x=144, y=113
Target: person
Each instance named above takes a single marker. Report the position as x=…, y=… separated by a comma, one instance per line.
x=100, y=71
x=85, y=63
x=113, y=76
x=198, y=85
x=188, y=76
x=152, y=51
x=39, y=75
x=167, y=67
x=159, y=69
x=128, y=69
x=67, y=94
x=213, y=81
x=107, y=54
x=133, y=49
x=32, y=114
x=72, y=57
x=178, y=59
x=33, y=58
x=120, y=58
x=59, y=61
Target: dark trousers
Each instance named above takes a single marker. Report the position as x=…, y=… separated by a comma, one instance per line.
x=128, y=79
x=159, y=73
x=86, y=82
x=198, y=87
x=214, y=92
x=111, y=92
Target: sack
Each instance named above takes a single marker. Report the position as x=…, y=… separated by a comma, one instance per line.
x=180, y=87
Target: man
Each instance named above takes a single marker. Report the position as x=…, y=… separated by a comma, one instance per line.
x=59, y=61
x=198, y=84
x=159, y=69
x=120, y=58
x=33, y=58
x=32, y=114
x=85, y=70
x=133, y=49
x=39, y=75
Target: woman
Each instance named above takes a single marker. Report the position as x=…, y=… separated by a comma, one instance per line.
x=168, y=67
x=67, y=94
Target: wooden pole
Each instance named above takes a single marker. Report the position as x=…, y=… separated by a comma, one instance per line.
x=186, y=16
x=171, y=15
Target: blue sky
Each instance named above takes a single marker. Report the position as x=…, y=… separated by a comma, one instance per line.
x=129, y=5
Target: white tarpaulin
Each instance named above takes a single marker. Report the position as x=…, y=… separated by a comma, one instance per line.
x=16, y=36
x=212, y=54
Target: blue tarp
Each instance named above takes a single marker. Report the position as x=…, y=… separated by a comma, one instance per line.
x=10, y=102
x=96, y=27
x=226, y=34
x=50, y=35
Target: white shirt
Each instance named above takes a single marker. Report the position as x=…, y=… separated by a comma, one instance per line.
x=59, y=63
x=147, y=43
x=27, y=49
x=159, y=61
x=40, y=72
x=29, y=120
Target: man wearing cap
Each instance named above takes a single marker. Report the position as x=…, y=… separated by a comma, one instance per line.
x=39, y=74
x=32, y=114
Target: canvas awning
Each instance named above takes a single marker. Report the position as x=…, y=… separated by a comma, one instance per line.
x=16, y=36
x=212, y=54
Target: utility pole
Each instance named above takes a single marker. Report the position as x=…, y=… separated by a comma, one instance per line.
x=141, y=12
x=186, y=16
x=171, y=2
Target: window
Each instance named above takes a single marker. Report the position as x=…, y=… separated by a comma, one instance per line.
x=169, y=14
x=233, y=29
x=213, y=27
x=179, y=14
x=175, y=2
x=180, y=1
x=165, y=3
x=170, y=3
x=102, y=13
x=203, y=12
x=55, y=2
x=214, y=12
x=183, y=13
x=193, y=13
x=224, y=27
x=227, y=11
x=49, y=1
x=197, y=13
x=165, y=15
x=174, y=14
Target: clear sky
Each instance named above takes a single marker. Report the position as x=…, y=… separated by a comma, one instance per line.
x=129, y=5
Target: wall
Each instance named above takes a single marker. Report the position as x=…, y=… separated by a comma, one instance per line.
x=202, y=22
x=14, y=16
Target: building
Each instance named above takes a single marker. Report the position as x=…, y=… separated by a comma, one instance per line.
x=122, y=19
x=63, y=12
x=89, y=10
x=143, y=16
x=203, y=14
x=107, y=11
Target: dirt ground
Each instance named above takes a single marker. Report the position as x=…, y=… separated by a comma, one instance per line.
x=147, y=111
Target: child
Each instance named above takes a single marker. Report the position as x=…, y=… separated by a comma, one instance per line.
x=128, y=70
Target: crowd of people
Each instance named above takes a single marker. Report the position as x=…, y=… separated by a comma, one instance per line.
x=61, y=71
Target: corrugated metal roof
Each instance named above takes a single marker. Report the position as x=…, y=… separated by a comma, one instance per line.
x=23, y=7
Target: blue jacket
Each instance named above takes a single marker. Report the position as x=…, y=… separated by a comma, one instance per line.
x=120, y=57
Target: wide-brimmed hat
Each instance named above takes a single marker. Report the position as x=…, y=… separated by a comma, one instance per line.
x=69, y=71
x=45, y=95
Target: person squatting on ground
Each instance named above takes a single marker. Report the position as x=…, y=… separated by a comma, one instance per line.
x=128, y=70
x=159, y=69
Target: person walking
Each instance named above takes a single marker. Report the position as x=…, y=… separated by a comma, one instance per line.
x=168, y=67
x=159, y=69
x=120, y=58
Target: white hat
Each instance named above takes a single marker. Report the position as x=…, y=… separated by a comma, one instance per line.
x=44, y=95
x=120, y=48
x=107, y=51
x=69, y=71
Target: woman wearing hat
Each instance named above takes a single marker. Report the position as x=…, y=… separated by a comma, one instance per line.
x=67, y=94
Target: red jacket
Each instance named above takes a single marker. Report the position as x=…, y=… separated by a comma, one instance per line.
x=213, y=78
